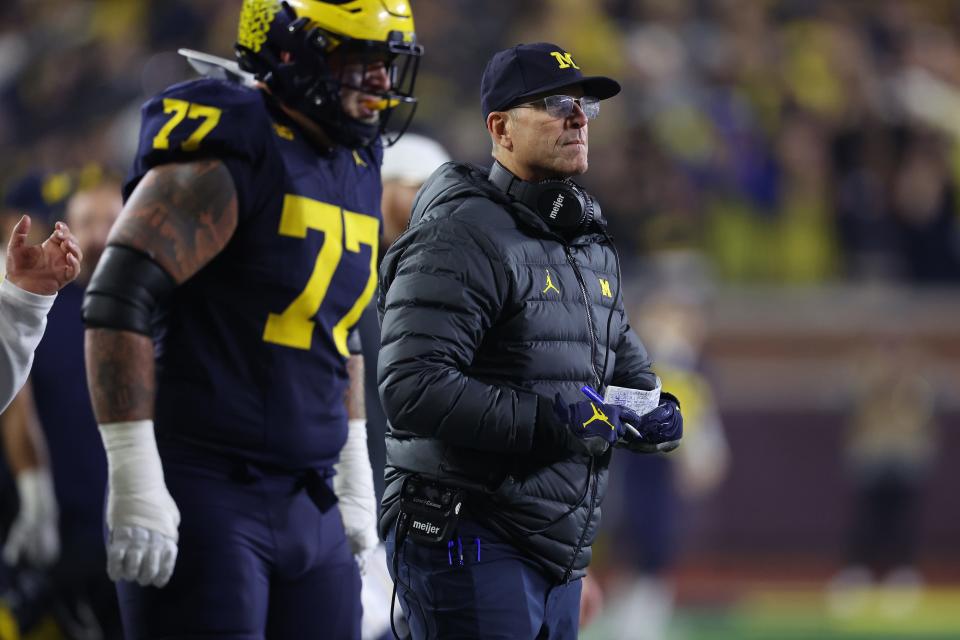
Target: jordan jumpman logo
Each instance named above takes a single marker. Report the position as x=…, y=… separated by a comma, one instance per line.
x=550, y=284
x=597, y=415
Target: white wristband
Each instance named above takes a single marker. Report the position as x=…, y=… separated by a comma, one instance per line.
x=138, y=495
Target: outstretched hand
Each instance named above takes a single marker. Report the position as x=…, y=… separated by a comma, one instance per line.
x=45, y=268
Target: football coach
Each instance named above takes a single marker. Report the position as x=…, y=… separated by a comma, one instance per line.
x=498, y=304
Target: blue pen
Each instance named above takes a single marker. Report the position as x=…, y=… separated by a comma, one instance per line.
x=591, y=393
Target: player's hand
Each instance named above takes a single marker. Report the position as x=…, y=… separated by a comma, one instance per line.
x=141, y=555
x=142, y=517
x=359, y=523
x=134, y=552
x=45, y=268
x=593, y=426
x=363, y=558
x=660, y=430
x=34, y=535
x=363, y=540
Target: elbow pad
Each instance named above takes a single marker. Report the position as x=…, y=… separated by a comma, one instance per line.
x=125, y=289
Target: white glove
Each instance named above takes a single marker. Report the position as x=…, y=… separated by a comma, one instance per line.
x=353, y=485
x=141, y=515
x=135, y=553
x=34, y=534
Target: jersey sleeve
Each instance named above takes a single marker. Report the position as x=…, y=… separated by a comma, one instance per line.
x=207, y=118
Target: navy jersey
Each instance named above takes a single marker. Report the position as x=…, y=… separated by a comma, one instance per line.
x=251, y=351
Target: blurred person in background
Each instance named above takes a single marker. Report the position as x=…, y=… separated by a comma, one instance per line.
x=498, y=304
x=656, y=493
x=406, y=166
x=41, y=195
x=220, y=311
x=891, y=443
x=924, y=206
x=59, y=465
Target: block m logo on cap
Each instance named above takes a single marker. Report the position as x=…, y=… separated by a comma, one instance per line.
x=564, y=59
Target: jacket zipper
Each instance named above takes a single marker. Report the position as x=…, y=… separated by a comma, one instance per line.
x=586, y=524
x=586, y=303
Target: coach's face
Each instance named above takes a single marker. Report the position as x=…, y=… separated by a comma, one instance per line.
x=542, y=146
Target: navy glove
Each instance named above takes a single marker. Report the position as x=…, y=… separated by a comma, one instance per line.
x=660, y=430
x=591, y=427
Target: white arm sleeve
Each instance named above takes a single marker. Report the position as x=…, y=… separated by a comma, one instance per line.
x=353, y=485
x=23, y=317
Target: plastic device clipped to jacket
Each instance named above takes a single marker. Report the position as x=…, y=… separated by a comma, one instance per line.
x=431, y=511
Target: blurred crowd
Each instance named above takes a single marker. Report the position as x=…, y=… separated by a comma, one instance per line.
x=787, y=141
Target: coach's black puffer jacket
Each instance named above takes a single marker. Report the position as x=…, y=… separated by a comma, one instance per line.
x=486, y=313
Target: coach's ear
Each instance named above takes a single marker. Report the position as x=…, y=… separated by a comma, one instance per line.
x=498, y=124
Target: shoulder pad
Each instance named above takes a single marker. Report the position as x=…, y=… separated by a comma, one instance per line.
x=201, y=118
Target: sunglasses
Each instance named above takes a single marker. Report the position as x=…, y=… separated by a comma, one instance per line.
x=562, y=106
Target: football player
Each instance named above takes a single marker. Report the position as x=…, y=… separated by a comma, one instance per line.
x=217, y=325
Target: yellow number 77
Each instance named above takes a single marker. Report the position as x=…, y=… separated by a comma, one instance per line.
x=182, y=109
x=294, y=327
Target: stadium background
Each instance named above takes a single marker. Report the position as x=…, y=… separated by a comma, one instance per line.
x=786, y=171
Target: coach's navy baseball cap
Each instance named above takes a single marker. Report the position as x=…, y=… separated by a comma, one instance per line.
x=530, y=69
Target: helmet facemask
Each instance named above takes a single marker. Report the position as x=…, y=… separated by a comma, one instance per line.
x=352, y=88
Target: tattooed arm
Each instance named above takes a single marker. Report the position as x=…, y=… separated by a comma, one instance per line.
x=182, y=216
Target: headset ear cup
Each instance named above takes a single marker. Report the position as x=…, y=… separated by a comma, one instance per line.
x=560, y=204
x=586, y=204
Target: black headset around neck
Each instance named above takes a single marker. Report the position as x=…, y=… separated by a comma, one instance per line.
x=562, y=204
